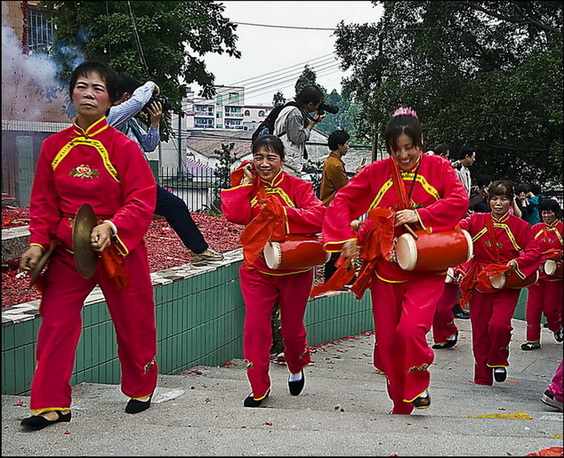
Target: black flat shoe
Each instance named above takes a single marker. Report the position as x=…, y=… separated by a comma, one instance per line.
x=500, y=374
x=463, y=314
x=297, y=386
x=527, y=346
x=136, y=406
x=422, y=402
x=448, y=343
x=252, y=402
x=36, y=422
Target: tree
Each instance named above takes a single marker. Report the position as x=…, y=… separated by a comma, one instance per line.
x=278, y=99
x=223, y=174
x=486, y=73
x=157, y=40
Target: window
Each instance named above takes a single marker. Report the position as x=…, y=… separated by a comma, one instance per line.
x=247, y=113
x=233, y=97
x=39, y=31
x=261, y=114
x=203, y=123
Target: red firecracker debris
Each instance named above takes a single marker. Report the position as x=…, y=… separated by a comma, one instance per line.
x=165, y=249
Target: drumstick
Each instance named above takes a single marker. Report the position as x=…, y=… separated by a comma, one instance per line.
x=408, y=229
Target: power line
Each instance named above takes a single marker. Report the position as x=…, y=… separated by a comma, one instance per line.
x=323, y=67
x=285, y=26
x=280, y=70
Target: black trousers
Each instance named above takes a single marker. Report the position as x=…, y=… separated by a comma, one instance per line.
x=176, y=213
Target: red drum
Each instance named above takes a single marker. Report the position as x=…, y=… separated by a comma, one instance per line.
x=513, y=281
x=433, y=251
x=553, y=268
x=296, y=252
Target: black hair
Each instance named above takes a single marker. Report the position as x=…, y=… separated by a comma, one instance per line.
x=441, y=149
x=483, y=180
x=337, y=137
x=127, y=84
x=309, y=94
x=522, y=187
x=269, y=143
x=535, y=188
x=551, y=205
x=465, y=151
x=108, y=74
x=403, y=124
x=501, y=188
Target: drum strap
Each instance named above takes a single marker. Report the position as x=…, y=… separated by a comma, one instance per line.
x=493, y=238
x=404, y=199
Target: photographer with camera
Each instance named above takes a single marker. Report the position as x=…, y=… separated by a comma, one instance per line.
x=295, y=123
x=134, y=98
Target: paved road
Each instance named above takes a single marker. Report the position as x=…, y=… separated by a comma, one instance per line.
x=342, y=411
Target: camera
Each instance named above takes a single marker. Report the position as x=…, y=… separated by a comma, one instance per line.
x=165, y=103
x=327, y=107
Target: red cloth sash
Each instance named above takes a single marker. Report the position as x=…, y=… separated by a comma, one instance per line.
x=267, y=226
x=114, y=266
x=344, y=274
x=375, y=238
x=552, y=253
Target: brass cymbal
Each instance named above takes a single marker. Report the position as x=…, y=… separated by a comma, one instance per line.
x=36, y=271
x=85, y=258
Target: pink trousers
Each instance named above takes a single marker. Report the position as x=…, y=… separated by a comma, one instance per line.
x=491, y=331
x=556, y=385
x=443, y=321
x=133, y=315
x=544, y=297
x=403, y=314
x=261, y=292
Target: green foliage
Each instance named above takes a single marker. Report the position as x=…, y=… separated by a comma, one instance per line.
x=151, y=40
x=278, y=99
x=478, y=72
x=223, y=172
x=314, y=169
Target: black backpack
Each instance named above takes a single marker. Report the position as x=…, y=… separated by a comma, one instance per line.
x=266, y=127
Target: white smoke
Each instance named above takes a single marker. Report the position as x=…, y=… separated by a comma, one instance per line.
x=25, y=78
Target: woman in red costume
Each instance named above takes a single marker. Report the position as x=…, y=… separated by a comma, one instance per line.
x=503, y=244
x=91, y=162
x=545, y=296
x=412, y=188
x=272, y=204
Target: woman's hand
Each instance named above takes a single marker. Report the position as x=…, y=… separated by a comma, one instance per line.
x=513, y=266
x=100, y=237
x=31, y=257
x=406, y=216
x=248, y=177
x=350, y=249
x=355, y=224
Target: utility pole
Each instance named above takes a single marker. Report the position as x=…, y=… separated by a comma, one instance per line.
x=179, y=146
